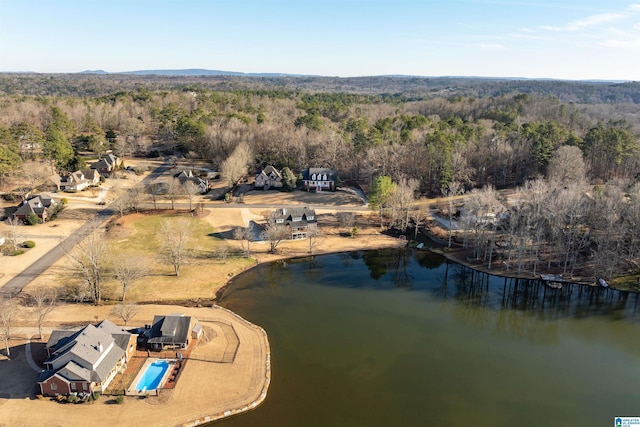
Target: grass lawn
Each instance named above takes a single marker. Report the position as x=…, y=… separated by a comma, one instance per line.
x=206, y=270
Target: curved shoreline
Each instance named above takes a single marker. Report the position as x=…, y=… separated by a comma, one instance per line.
x=267, y=379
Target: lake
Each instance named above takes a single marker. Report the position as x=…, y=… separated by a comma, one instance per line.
x=406, y=338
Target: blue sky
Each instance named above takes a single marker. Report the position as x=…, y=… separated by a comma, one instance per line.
x=565, y=39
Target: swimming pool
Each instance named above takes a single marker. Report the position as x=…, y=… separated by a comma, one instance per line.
x=152, y=376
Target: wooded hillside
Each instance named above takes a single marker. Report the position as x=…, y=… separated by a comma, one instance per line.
x=571, y=147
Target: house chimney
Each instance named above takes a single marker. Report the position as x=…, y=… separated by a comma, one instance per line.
x=99, y=347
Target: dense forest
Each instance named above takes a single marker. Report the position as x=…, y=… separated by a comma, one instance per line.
x=437, y=134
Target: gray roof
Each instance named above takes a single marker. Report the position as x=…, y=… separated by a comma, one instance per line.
x=34, y=204
x=271, y=172
x=108, y=162
x=73, y=371
x=171, y=329
x=57, y=335
x=85, y=345
x=89, y=345
x=187, y=175
x=291, y=215
x=332, y=175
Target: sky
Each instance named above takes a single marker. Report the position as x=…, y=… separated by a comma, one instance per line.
x=561, y=39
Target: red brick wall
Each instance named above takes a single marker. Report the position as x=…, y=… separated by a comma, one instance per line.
x=61, y=386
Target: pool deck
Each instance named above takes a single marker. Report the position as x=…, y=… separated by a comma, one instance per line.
x=133, y=390
x=211, y=385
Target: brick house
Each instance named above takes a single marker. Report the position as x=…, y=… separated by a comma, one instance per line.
x=85, y=361
x=39, y=205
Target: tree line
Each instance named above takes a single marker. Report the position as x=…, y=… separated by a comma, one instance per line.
x=428, y=143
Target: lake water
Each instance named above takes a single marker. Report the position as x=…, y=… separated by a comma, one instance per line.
x=405, y=338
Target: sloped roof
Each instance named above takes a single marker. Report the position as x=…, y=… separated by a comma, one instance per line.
x=187, y=175
x=332, y=175
x=270, y=170
x=170, y=329
x=34, y=204
x=95, y=349
x=107, y=162
x=306, y=215
x=72, y=371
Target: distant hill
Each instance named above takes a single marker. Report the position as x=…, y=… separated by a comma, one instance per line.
x=101, y=83
x=202, y=72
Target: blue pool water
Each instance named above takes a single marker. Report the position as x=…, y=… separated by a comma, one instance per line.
x=152, y=376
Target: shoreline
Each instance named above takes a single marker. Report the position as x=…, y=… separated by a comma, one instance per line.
x=231, y=388
x=265, y=387
x=451, y=256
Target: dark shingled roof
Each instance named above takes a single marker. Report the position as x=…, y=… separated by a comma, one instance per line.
x=332, y=175
x=171, y=329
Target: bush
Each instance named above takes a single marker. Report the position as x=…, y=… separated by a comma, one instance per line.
x=64, y=200
x=17, y=252
x=32, y=219
x=119, y=399
x=95, y=395
x=72, y=399
x=30, y=244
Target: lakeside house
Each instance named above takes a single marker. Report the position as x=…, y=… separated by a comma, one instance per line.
x=319, y=179
x=169, y=332
x=40, y=205
x=269, y=177
x=86, y=360
x=299, y=220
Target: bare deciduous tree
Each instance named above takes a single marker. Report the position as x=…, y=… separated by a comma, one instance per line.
x=125, y=312
x=128, y=269
x=346, y=220
x=8, y=313
x=90, y=259
x=312, y=236
x=174, y=237
x=43, y=301
x=13, y=232
x=190, y=190
x=244, y=236
x=173, y=191
x=453, y=189
x=567, y=165
x=275, y=233
x=402, y=198
x=235, y=166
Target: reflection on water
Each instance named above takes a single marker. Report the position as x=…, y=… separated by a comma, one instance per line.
x=399, y=337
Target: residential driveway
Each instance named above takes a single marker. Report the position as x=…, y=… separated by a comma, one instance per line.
x=15, y=285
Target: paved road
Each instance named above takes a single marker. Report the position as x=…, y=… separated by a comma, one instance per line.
x=15, y=285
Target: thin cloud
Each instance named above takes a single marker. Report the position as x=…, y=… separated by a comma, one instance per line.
x=490, y=46
x=588, y=22
x=622, y=44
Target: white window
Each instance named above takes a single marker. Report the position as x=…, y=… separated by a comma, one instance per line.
x=279, y=220
x=73, y=386
x=54, y=386
x=84, y=386
x=309, y=217
x=297, y=218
